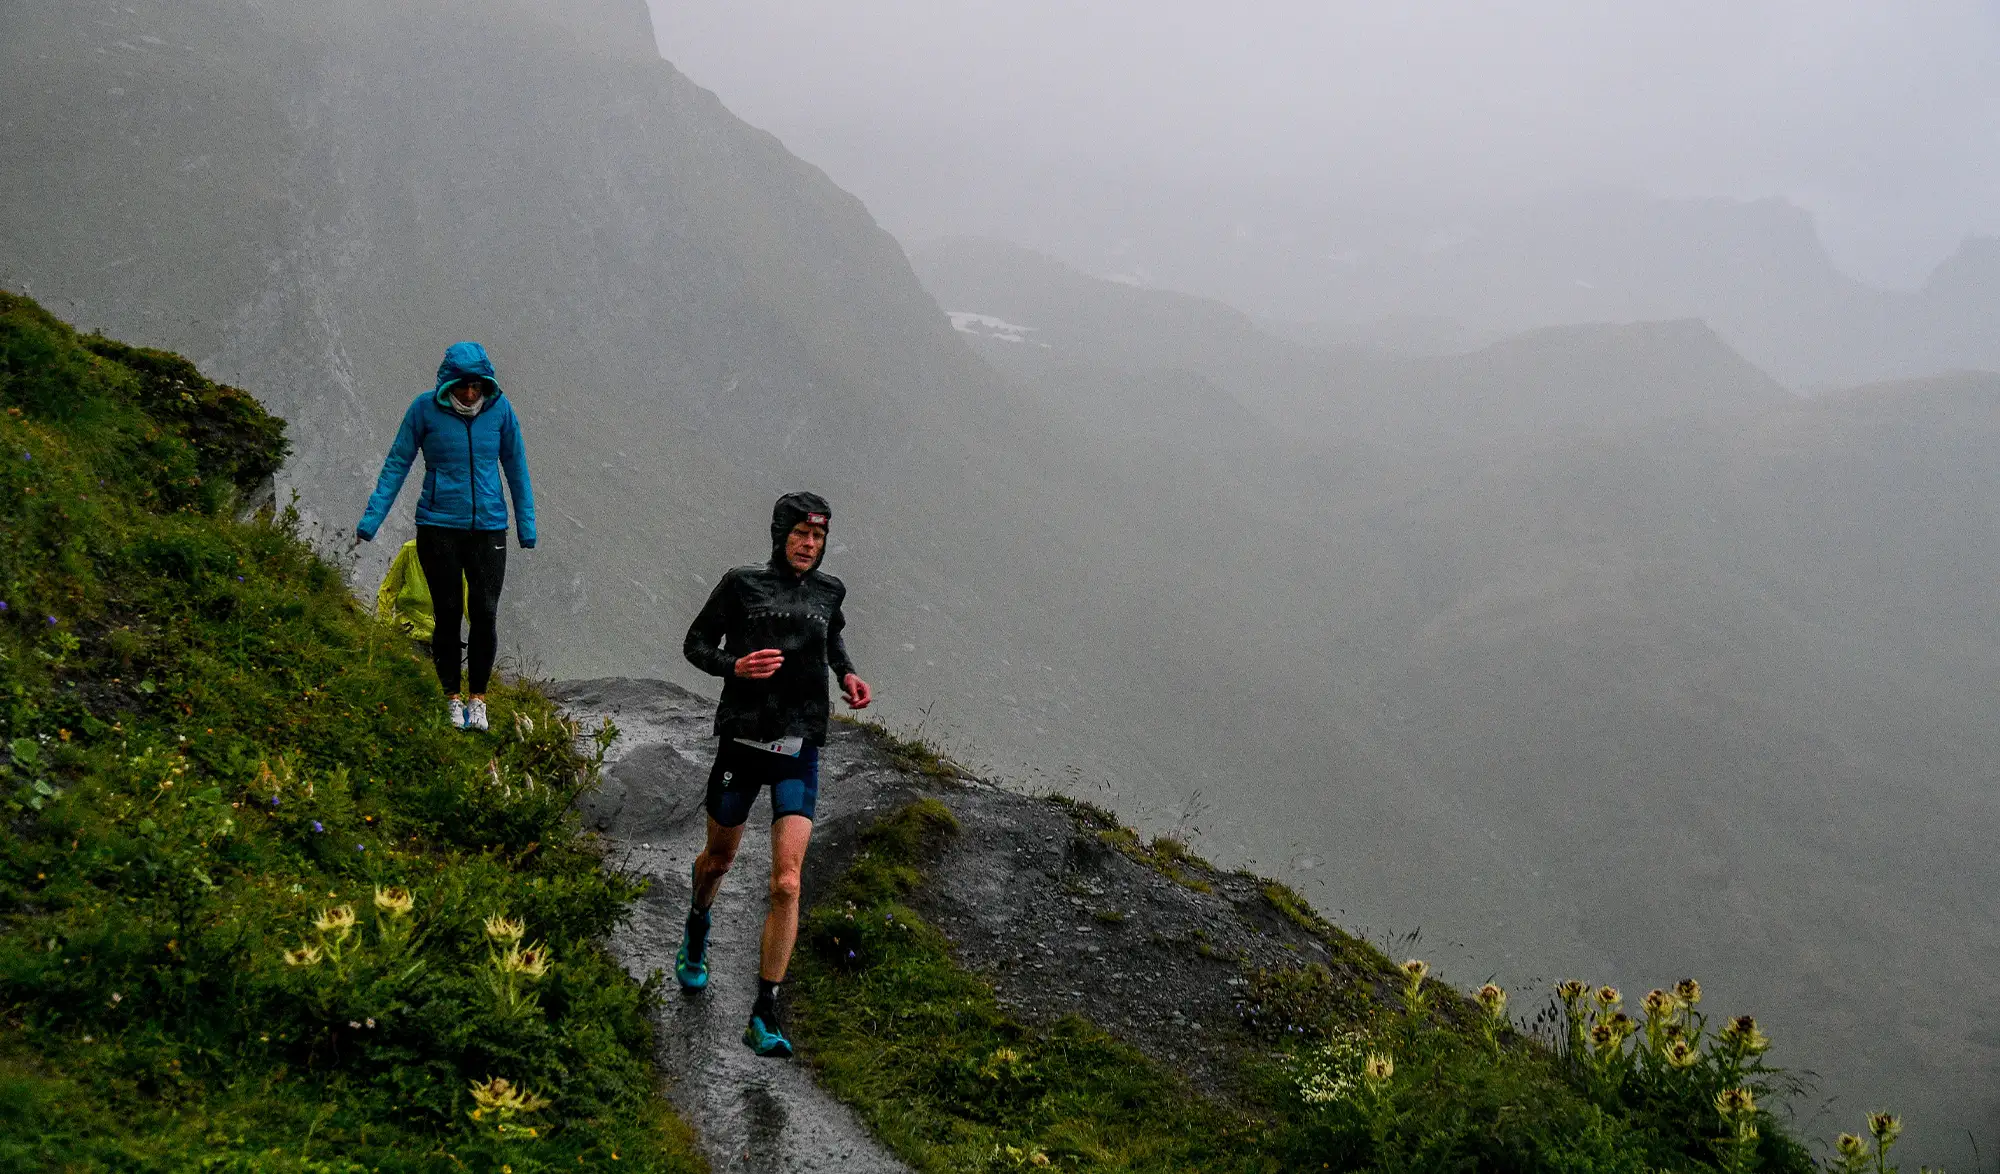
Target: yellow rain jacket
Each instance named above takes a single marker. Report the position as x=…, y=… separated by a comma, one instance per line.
x=404, y=598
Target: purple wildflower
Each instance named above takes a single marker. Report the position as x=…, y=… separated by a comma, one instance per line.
x=52, y=621
x=3, y=605
x=317, y=827
x=274, y=800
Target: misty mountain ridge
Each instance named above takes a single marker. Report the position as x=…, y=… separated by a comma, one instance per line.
x=1582, y=377
x=1590, y=650
x=1415, y=281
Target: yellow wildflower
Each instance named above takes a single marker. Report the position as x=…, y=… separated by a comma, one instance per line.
x=1737, y=1102
x=532, y=961
x=396, y=902
x=498, y=1094
x=1885, y=1127
x=502, y=929
x=340, y=917
x=1378, y=1068
x=1688, y=991
x=1415, y=970
x=303, y=956
x=1742, y=1035
x=1493, y=999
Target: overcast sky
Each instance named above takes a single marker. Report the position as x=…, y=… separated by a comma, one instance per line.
x=1881, y=117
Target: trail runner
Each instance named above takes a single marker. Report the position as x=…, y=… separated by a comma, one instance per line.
x=771, y=632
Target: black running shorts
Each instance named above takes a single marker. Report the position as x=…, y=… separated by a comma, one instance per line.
x=741, y=771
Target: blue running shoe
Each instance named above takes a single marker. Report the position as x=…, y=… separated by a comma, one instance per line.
x=691, y=964
x=693, y=976
x=767, y=1038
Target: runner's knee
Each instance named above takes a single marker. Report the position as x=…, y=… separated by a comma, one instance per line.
x=716, y=861
x=785, y=888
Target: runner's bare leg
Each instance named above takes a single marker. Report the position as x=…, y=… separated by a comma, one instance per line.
x=713, y=863
x=789, y=836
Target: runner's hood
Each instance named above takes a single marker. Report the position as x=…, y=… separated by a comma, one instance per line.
x=463, y=361
x=792, y=509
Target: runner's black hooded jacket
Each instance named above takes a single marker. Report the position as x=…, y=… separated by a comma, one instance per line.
x=773, y=606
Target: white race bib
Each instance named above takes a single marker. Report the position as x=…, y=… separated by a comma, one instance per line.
x=789, y=747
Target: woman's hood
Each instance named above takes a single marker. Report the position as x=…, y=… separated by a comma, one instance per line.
x=462, y=361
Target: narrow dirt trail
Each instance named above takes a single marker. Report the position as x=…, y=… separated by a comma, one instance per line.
x=765, y=1116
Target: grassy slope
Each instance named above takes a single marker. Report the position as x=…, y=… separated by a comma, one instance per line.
x=207, y=747
x=953, y=1081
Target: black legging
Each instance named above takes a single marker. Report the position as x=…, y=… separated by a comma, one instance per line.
x=479, y=559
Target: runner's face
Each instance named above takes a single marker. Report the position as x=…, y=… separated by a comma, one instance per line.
x=803, y=544
x=468, y=391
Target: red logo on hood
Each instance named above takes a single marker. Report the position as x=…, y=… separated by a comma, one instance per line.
x=816, y=519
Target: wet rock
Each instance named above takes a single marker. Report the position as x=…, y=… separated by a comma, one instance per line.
x=647, y=795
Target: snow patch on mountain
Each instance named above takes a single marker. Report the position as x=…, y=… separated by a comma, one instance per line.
x=987, y=326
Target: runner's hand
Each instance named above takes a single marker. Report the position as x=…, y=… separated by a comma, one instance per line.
x=856, y=691
x=760, y=664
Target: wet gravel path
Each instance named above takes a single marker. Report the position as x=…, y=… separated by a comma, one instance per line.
x=752, y=1114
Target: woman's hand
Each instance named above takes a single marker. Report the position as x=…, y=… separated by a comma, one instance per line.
x=760, y=664
x=856, y=691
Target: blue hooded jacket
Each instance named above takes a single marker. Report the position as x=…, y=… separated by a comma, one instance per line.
x=463, y=457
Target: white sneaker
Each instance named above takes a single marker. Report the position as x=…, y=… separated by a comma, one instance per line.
x=475, y=715
x=455, y=709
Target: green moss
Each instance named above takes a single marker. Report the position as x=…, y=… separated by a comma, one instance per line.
x=913, y=753
x=1092, y=816
x=1166, y=855
x=1345, y=948
x=204, y=745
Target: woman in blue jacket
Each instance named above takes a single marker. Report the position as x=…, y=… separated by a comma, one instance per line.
x=469, y=435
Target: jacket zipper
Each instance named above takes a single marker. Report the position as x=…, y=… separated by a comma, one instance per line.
x=471, y=472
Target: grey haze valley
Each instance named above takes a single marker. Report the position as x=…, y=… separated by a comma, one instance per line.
x=1560, y=624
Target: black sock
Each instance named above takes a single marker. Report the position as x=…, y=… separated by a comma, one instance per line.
x=697, y=933
x=767, y=999
x=698, y=920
